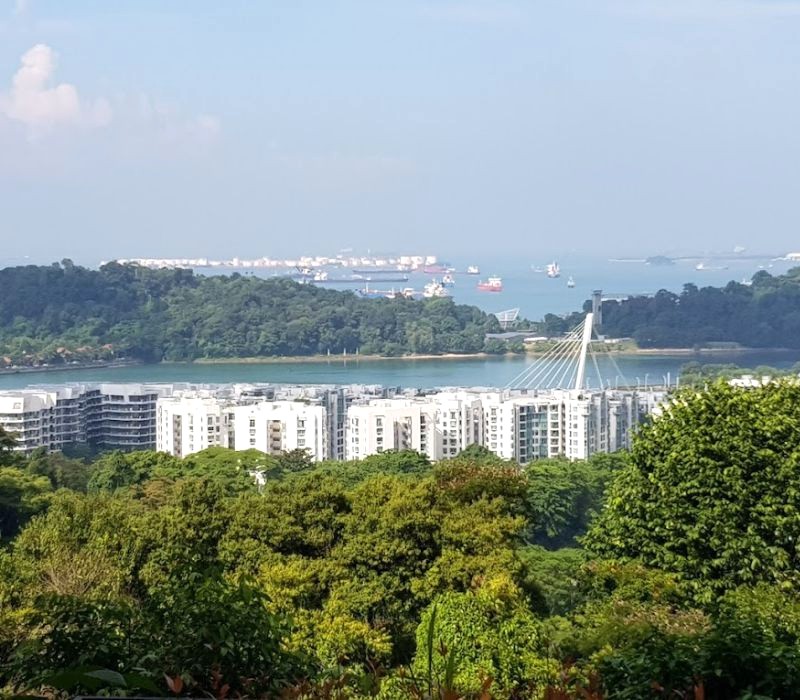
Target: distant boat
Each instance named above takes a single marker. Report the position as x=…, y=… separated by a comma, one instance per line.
x=702, y=267
x=553, y=270
x=473, y=270
x=434, y=289
x=493, y=284
x=321, y=276
x=448, y=280
x=570, y=283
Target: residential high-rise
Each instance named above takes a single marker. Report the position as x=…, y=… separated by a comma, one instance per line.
x=189, y=424
x=276, y=427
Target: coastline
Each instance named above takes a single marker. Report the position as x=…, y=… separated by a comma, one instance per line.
x=688, y=353
x=628, y=351
x=111, y=364
x=307, y=359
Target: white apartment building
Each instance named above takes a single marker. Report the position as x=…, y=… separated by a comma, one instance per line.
x=107, y=416
x=575, y=424
x=438, y=425
x=275, y=427
x=330, y=422
x=48, y=419
x=189, y=424
x=386, y=424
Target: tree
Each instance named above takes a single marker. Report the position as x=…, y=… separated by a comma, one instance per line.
x=468, y=642
x=296, y=460
x=712, y=490
x=118, y=470
x=7, y=444
x=62, y=471
x=563, y=497
x=234, y=471
x=21, y=497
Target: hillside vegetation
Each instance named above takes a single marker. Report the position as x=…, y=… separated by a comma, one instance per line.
x=763, y=314
x=668, y=572
x=65, y=312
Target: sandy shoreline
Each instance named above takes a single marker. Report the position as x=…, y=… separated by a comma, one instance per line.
x=630, y=352
x=301, y=359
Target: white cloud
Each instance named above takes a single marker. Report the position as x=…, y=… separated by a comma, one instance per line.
x=33, y=101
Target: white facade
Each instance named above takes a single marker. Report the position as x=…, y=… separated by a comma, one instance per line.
x=386, y=424
x=276, y=427
x=330, y=422
x=439, y=425
x=186, y=425
x=108, y=416
x=40, y=418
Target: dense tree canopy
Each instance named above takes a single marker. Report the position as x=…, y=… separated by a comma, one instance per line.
x=65, y=312
x=712, y=490
x=763, y=314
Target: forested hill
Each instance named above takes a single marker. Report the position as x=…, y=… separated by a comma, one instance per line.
x=764, y=314
x=65, y=312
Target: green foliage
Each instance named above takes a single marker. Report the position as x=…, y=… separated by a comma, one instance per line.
x=762, y=315
x=7, y=444
x=638, y=632
x=233, y=471
x=119, y=470
x=213, y=630
x=712, y=490
x=552, y=578
x=22, y=495
x=62, y=472
x=469, y=641
x=755, y=648
x=403, y=463
x=61, y=314
x=563, y=497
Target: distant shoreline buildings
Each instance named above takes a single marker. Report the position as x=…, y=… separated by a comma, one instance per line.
x=404, y=263
x=331, y=422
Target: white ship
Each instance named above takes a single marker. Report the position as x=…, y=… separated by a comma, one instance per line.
x=553, y=270
x=570, y=282
x=448, y=280
x=434, y=289
x=473, y=270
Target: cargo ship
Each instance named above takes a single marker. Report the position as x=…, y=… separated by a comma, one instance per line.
x=493, y=284
x=441, y=269
x=553, y=270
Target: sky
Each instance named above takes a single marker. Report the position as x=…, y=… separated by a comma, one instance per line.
x=500, y=127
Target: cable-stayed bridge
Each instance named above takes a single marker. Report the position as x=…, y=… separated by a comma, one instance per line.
x=572, y=363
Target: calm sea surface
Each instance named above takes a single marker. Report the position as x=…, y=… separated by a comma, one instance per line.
x=488, y=372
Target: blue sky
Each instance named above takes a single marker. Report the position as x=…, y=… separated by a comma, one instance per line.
x=500, y=127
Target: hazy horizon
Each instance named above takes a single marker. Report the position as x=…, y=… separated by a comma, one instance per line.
x=501, y=128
